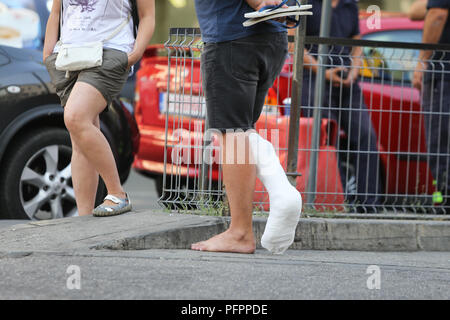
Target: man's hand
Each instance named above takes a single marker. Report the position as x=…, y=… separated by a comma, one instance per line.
x=432, y=32
x=258, y=4
x=418, y=76
x=351, y=78
x=333, y=75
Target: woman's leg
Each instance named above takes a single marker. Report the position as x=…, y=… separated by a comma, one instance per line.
x=83, y=107
x=84, y=178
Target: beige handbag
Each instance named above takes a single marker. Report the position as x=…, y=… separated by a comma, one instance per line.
x=75, y=57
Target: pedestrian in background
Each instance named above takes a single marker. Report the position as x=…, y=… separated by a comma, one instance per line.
x=86, y=93
x=344, y=101
x=435, y=87
x=418, y=10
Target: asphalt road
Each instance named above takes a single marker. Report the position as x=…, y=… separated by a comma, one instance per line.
x=185, y=274
x=142, y=191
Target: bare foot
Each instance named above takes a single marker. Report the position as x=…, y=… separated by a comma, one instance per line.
x=227, y=242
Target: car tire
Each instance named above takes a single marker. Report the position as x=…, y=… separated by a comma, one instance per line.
x=36, y=179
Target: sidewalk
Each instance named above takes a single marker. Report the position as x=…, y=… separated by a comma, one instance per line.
x=35, y=260
x=160, y=230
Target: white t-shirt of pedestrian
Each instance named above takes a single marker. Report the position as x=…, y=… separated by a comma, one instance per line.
x=87, y=21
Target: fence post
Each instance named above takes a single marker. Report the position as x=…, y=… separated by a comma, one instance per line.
x=295, y=111
x=318, y=102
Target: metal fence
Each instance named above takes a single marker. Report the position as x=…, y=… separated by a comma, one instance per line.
x=371, y=144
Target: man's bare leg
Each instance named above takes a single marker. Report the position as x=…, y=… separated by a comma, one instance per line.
x=239, y=180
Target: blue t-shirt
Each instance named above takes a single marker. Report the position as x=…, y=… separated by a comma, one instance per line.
x=445, y=38
x=344, y=24
x=221, y=20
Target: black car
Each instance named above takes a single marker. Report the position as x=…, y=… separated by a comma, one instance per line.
x=35, y=148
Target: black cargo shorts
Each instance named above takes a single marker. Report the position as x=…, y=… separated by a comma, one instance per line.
x=237, y=76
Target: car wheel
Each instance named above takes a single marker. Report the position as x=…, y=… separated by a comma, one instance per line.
x=36, y=179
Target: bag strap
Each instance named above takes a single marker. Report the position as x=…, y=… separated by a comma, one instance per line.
x=61, y=20
x=135, y=16
x=118, y=29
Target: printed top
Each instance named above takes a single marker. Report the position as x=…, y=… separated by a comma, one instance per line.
x=87, y=21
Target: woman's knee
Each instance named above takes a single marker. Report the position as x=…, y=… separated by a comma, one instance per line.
x=75, y=148
x=74, y=120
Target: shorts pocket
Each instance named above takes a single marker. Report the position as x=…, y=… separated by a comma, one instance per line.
x=49, y=58
x=210, y=53
x=57, y=77
x=115, y=63
x=244, y=61
x=125, y=60
x=278, y=60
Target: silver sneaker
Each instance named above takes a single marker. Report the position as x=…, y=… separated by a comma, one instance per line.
x=122, y=206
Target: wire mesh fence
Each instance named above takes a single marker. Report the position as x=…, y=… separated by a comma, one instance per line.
x=369, y=141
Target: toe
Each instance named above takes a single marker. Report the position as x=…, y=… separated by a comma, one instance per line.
x=197, y=246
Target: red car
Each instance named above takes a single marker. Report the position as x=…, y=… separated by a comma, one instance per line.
x=150, y=112
x=404, y=172
x=394, y=106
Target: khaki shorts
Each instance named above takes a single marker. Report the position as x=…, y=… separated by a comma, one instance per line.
x=109, y=78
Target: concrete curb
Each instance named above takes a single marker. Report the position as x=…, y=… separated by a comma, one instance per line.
x=159, y=230
x=172, y=238
x=312, y=234
x=366, y=235
x=372, y=235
